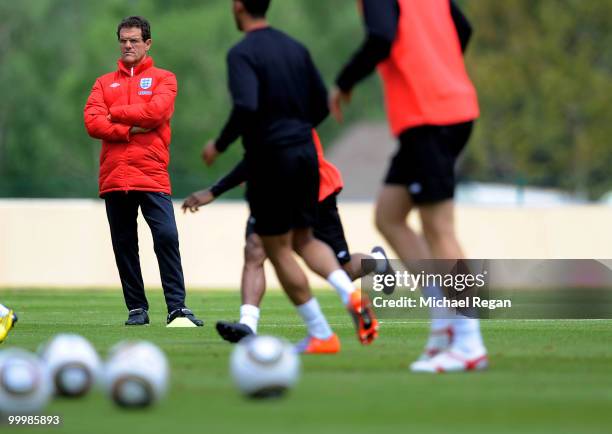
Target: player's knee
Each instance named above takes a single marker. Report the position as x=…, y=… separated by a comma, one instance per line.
x=254, y=255
x=277, y=253
x=298, y=246
x=437, y=227
x=279, y=258
x=386, y=223
x=301, y=238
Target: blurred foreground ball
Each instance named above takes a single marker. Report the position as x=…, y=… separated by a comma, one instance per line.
x=73, y=363
x=136, y=374
x=25, y=383
x=264, y=366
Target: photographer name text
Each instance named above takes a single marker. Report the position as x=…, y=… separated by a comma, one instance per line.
x=449, y=303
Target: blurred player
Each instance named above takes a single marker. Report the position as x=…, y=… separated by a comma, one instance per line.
x=431, y=105
x=278, y=98
x=328, y=229
x=8, y=318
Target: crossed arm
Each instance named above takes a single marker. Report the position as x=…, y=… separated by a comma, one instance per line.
x=152, y=114
x=117, y=123
x=97, y=122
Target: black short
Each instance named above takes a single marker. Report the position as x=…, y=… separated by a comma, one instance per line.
x=283, y=189
x=425, y=161
x=327, y=229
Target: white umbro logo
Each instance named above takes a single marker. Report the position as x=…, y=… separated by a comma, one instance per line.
x=415, y=188
x=342, y=254
x=115, y=84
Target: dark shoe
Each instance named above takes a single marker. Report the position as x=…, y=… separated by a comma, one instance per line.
x=137, y=317
x=233, y=331
x=387, y=288
x=184, y=313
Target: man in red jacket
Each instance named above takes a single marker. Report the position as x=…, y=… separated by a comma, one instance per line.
x=130, y=111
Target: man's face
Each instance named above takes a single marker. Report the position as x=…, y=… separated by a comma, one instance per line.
x=133, y=48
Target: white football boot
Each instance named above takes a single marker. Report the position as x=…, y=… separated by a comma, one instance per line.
x=439, y=340
x=451, y=361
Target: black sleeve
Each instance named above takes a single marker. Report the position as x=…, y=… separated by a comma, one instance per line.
x=237, y=176
x=244, y=88
x=243, y=82
x=463, y=26
x=234, y=127
x=381, y=22
x=319, y=107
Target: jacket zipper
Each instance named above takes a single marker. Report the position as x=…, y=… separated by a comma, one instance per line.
x=127, y=187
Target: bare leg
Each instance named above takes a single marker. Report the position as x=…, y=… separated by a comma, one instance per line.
x=392, y=209
x=318, y=256
x=293, y=280
x=439, y=228
x=253, y=275
x=253, y=287
x=280, y=251
x=354, y=268
x=394, y=205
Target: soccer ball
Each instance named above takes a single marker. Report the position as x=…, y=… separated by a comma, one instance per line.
x=25, y=383
x=264, y=366
x=73, y=363
x=136, y=375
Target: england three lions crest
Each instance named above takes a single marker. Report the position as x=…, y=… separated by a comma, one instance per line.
x=146, y=83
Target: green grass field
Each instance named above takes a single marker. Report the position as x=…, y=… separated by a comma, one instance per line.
x=546, y=376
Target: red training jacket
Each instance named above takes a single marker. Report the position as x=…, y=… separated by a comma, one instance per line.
x=330, y=179
x=142, y=96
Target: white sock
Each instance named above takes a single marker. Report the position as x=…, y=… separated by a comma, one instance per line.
x=3, y=311
x=342, y=284
x=381, y=262
x=249, y=315
x=315, y=320
x=441, y=317
x=467, y=338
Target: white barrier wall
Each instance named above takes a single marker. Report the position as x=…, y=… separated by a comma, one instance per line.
x=66, y=243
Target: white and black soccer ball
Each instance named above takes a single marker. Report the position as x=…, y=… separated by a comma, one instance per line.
x=136, y=374
x=73, y=363
x=264, y=366
x=25, y=383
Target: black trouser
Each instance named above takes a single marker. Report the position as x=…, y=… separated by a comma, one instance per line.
x=122, y=212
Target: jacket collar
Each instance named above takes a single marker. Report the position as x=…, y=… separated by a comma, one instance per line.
x=146, y=63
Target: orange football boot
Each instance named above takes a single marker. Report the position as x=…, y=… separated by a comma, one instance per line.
x=312, y=345
x=360, y=308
